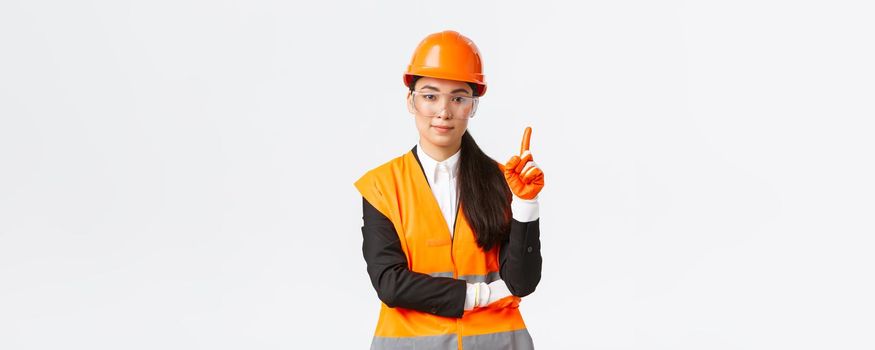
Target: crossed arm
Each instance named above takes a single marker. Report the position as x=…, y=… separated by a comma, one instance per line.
x=397, y=286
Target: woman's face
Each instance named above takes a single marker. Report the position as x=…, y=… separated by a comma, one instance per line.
x=444, y=130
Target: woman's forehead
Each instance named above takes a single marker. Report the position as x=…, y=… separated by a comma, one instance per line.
x=443, y=85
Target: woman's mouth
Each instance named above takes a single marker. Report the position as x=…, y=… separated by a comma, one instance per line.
x=442, y=129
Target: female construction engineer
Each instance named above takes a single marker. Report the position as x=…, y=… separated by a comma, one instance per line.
x=451, y=236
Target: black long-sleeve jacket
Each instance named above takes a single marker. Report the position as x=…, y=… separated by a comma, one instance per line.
x=397, y=286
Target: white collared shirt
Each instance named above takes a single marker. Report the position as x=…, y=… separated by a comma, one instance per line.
x=442, y=178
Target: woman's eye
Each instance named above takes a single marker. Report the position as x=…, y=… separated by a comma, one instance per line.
x=429, y=97
x=458, y=99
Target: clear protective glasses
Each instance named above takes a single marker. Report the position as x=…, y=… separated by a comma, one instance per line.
x=431, y=104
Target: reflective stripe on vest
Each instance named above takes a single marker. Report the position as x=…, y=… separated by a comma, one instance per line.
x=516, y=340
x=400, y=191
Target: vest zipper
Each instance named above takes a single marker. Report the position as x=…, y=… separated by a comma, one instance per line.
x=456, y=274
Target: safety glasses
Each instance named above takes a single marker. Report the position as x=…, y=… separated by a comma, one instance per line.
x=432, y=104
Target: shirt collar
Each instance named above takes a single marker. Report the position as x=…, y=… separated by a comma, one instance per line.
x=429, y=164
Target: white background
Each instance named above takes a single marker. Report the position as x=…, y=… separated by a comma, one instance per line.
x=179, y=174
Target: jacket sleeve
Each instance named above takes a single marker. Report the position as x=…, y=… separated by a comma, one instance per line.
x=520, y=257
x=398, y=286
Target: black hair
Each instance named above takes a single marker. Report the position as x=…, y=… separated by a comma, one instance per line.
x=483, y=191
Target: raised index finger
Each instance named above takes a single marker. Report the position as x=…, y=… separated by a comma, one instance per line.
x=526, y=136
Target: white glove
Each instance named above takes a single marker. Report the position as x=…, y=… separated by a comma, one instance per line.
x=497, y=290
x=477, y=295
x=481, y=294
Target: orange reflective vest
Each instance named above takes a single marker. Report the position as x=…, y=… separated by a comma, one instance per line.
x=400, y=190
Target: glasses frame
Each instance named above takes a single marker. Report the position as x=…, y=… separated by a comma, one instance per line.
x=475, y=100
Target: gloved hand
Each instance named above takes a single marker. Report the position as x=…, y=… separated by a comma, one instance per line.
x=494, y=294
x=476, y=295
x=522, y=174
x=499, y=296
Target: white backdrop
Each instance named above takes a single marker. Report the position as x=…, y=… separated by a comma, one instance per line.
x=178, y=174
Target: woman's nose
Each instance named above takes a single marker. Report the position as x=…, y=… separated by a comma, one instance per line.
x=445, y=112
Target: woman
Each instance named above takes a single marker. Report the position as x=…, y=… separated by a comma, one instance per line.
x=450, y=236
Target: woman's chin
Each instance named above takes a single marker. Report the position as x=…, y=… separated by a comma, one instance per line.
x=443, y=140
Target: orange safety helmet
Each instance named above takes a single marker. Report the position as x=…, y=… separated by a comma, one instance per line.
x=447, y=55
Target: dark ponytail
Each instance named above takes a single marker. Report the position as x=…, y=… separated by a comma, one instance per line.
x=484, y=194
x=483, y=191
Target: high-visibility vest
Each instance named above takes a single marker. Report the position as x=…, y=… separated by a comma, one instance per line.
x=400, y=190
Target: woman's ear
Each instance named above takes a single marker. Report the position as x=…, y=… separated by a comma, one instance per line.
x=410, y=103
